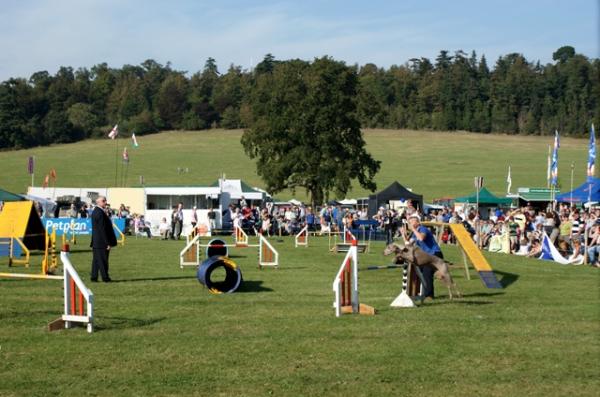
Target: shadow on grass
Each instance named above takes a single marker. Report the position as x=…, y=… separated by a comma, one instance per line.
x=456, y=301
x=109, y=323
x=507, y=278
x=133, y=280
x=253, y=286
x=28, y=313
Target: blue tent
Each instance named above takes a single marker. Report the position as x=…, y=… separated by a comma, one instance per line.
x=582, y=193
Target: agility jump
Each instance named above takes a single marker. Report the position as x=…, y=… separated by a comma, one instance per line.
x=301, y=239
x=190, y=254
x=78, y=299
x=345, y=286
x=345, y=245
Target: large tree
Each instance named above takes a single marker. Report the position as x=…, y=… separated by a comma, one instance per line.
x=305, y=132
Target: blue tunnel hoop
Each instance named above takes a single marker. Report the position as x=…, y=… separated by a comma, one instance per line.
x=233, y=275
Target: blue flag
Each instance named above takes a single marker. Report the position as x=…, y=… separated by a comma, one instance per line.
x=554, y=168
x=550, y=253
x=591, y=155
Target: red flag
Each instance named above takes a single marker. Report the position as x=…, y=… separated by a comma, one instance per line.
x=53, y=173
x=114, y=132
x=125, y=155
x=45, y=184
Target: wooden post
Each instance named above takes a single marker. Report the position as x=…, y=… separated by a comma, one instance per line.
x=465, y=263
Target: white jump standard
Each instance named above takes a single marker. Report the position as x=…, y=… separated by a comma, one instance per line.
x=345, y=286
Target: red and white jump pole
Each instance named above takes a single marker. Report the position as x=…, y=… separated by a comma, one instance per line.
x=78, y=300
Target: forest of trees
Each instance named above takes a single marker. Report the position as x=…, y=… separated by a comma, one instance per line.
x=456, y=91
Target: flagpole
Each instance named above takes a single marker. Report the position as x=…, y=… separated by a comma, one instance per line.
x=116, y=158
x=548, y=169
x=571, y=194
x=126, y=174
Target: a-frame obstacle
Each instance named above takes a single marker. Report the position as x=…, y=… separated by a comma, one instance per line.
x=21, y=231
x=469, y=250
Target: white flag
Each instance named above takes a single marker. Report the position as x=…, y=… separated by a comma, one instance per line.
x=114, y=132
x=509, y=181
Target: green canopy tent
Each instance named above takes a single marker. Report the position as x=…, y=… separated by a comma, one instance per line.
x=8, y=196
x=487, y=201
x=486, y=198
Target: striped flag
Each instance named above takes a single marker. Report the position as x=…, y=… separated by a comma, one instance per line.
x=114, y=132
x=125, y=155
x=135, y=142
x=550, y=253
x=591, y=165
x=554, y=168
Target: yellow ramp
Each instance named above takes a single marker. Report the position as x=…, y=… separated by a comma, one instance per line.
x=14, y=218
x=463, y=237
x=19, y=219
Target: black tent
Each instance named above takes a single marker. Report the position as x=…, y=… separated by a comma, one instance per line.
x=394, y=192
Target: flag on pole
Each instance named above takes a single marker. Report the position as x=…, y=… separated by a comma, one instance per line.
x=554, y=168
x=509, y=181
x=30, y=164
x=114, y=132
x=550, y=253
x=135, y=142
x=46, y=180
x=125, y=155
x=591, y=165
x=53, y=174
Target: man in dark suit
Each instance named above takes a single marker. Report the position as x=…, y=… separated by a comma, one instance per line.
x=103, y=237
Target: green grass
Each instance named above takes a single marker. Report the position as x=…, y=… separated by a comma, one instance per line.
x=159, y=332
x=435, y=164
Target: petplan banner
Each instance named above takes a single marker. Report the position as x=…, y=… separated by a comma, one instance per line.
x=79, y=226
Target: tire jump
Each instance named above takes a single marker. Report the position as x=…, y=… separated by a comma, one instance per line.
x=216, y=247
x=233, y=275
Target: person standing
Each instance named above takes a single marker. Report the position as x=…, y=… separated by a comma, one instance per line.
x=194, y=218
x=423, y=238
x=103, y=238
x=179, y=221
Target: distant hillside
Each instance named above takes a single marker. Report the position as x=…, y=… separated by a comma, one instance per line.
x=435, y=164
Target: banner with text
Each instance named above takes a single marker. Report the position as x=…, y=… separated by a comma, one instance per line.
x=78, y=225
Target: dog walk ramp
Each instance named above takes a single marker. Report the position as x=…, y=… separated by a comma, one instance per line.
x=475, y=256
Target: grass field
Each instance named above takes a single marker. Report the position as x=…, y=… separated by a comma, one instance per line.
x=435, y=164
x=159, y=332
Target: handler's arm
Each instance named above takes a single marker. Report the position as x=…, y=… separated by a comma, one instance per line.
x=418, y=235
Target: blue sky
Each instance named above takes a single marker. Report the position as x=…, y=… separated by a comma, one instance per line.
x=46, y=34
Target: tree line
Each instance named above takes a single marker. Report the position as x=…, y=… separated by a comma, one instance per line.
x=456, y=91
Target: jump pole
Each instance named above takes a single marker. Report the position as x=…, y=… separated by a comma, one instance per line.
x=403, y=300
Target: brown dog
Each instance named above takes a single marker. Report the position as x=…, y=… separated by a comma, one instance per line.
x=417, y=256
